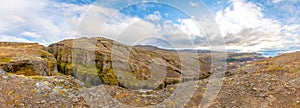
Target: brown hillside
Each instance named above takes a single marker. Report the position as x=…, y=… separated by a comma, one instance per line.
x=271, y=82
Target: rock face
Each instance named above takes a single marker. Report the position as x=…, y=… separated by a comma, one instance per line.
x=26, y=59
x=102, y=61
x=2, y=73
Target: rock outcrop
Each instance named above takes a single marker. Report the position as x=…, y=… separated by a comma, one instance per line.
x=26, y=59
x=102, y=61
x=19, y=91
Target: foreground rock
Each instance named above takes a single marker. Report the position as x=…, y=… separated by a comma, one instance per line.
x=40, y=91
x=26, y=59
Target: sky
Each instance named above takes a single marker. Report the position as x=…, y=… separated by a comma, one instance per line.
x=265, y=26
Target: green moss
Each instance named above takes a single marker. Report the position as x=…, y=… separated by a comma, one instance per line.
x=36, y=77
x=276, y=69
x=27, y=71
x=51, y=64
x=87, y=68
x=109, y=77
x=69, y=66
x=5, y=59
x=295, y=105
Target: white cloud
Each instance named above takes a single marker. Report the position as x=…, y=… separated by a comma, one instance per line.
x=155, y=17
x=245, y=25
x=106, y=22
x=15, y=19
x=193, y=4
x=93, y=19
x=131, y=30
x=190, y=28
x=6, y=38
x=31, y=34
x=276, y=1
x=47, y=21
x=128, y=30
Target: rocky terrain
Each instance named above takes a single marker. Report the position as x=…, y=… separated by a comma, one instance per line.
x=85, y=72
x=271, y=82
x=39, y=91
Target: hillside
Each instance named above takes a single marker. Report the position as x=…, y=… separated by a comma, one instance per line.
x=271, y=82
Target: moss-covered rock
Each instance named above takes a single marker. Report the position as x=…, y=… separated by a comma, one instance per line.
x=27, y=59
x=109, y=77
x=105, y=58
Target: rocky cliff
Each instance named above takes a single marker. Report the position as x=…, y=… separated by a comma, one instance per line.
x=91, y=59
x=26, y=59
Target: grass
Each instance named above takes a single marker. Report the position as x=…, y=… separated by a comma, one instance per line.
x=109, y=77
x=276, y=69
x=86, y=69
x=5, y=59
x=36, y=77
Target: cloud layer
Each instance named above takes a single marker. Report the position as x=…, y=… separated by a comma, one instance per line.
x=244, y=26
x=248, y=26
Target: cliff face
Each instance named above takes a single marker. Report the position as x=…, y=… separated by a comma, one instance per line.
x=26, y=59
x=102, y=61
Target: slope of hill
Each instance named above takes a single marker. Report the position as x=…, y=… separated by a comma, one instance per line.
x=271, y=82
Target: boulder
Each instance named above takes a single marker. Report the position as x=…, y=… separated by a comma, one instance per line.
x=2, y=73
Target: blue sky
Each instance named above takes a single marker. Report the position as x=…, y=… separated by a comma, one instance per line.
x=265, y=26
